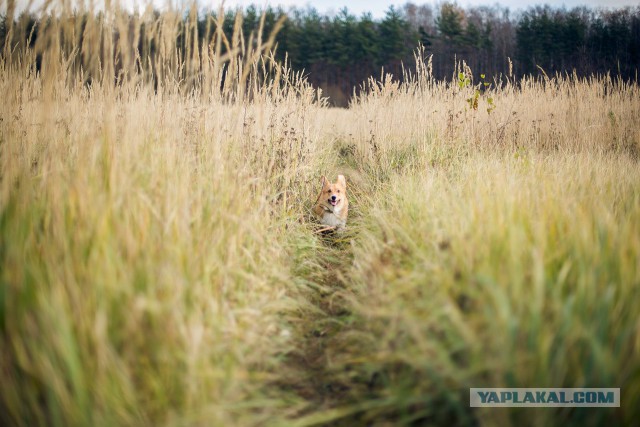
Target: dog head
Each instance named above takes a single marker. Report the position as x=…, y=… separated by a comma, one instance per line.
x=334, y=194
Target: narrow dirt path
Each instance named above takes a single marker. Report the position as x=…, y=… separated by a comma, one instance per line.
x=327, y=316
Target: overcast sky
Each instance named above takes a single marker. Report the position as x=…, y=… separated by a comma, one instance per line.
x=357, y=7
x=378, y=7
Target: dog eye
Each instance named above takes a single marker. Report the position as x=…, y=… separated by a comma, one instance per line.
x=338, y=191
x=329, y=191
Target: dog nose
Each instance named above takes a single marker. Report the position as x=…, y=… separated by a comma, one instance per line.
x=333, y=197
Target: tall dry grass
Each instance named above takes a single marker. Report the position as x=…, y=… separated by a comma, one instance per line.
x=141, y=282
x=159, y=265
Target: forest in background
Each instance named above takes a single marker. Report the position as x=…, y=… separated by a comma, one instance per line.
x=338, y=53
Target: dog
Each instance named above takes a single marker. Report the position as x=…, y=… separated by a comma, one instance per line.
x=332, y=205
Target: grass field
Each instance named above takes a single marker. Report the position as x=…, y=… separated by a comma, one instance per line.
x=159, y=264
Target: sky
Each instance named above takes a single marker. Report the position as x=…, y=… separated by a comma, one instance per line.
x=358, y=7
x=378, y=7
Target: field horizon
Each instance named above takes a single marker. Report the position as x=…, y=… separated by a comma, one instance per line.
x=160, y=265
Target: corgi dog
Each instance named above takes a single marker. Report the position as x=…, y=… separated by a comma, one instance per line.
x=332, y=205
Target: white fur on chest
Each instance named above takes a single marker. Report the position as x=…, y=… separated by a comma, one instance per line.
x=330, y=219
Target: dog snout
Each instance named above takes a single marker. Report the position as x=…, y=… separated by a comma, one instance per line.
x=333, y=197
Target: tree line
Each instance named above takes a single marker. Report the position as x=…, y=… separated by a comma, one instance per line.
x=341, y=51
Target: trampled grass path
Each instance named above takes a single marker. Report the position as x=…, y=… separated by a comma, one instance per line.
x=312, y=374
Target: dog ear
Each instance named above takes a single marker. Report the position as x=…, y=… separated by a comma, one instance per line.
x=323, y=181
x=342, y=181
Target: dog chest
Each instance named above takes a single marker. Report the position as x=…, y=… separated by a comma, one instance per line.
x=330, y=219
